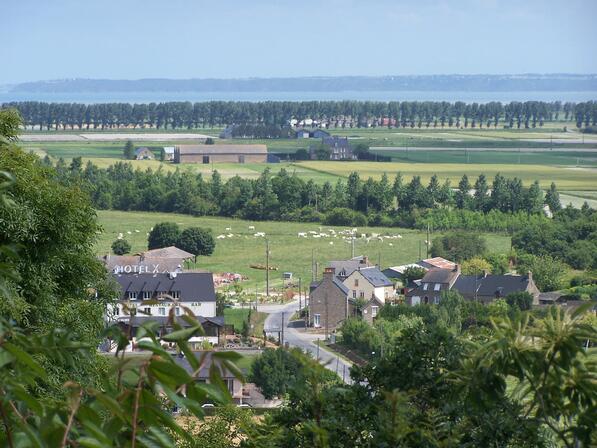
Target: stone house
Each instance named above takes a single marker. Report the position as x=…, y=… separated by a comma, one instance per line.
x=220, y=153
x=371, y=310
x=144, y=153
x=483, y=288
x=329, y=302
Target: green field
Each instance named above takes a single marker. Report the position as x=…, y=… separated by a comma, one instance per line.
x=288, y=251
x=566, y=178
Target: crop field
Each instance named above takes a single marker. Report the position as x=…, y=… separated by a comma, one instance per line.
x=288, y=251
x=566, y=178
x=505, y=156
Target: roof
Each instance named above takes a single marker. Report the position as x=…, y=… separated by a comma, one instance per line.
x=167, y=252
x=439, y=276
x=437, y=262
x=375, y=277
x=337, y=282
x=193, y=286
x=208, y=360
x=502, y=285
x=221, y=149
x=346, y=267
x=137, y=320
x=142, y=149
x=400, y=269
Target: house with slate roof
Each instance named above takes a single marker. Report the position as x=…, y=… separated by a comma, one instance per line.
x=161, y=297
x=144, y=153
x=329, y=302
x=483, y=288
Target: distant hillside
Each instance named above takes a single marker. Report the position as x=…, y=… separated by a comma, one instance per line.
x=473, y=83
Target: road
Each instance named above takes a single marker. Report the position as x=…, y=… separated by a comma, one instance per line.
x=297, y=337
x=494, y=149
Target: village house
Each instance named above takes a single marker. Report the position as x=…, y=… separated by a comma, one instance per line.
x=144, y=153
x=160, y=298
x=483, y=288
x=339, y=147
x=314, y=133
x=220, y=153
x=329, y=302
x=369, y=282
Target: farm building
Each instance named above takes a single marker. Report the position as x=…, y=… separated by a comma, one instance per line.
x=143, y=153
x=168, y=153
x=220, y=153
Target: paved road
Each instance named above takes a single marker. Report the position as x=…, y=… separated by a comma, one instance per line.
x=297, y=337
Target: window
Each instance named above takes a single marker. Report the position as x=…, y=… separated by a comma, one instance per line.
x=437, y=286
x=177, y=311
x=317, y=320
x=362, y=294
x=354, y=294
x=147, y=310
x=230, y=385
x=356, y=282
x=175, y=294
x=436, y=300
x=116, y=311
x=162, y=311
x=374, y=310
x=132, y=295
x=146, y=295
x=425, y=286
x=416, y=300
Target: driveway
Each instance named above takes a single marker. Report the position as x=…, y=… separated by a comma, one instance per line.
x=298, y=337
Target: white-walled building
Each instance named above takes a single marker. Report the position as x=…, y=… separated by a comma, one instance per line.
x=160, y=297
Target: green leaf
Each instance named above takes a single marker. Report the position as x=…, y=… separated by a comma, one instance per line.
x=181, y=335
x=171, y=370
x=26, y=359
x=90, y=442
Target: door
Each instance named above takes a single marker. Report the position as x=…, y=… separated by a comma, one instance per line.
x=241, y=159
x=317, y=320
x=205, y=159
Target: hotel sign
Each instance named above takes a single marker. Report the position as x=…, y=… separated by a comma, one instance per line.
x=139, y=269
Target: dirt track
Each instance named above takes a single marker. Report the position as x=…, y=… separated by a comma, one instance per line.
x=109, y=137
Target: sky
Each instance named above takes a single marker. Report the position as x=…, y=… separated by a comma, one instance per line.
x=133, y=39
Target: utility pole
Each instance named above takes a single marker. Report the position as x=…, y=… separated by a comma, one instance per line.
x=352, y=246
x=282, y=338
x=420, y=255
x=428, y=236
x=312, y=265
x=267, y=267
x=299, y=296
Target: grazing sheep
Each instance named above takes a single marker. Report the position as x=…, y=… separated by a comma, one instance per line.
x=331, y=243
x=390, y=244
x=227, y=229
x=302, y=235
x=219, y=237
x=128, y=232
x=136, y=231
x=251, y=227
x=230, y=235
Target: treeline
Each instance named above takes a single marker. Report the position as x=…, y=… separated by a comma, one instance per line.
x=173, y=115
x=285, y=196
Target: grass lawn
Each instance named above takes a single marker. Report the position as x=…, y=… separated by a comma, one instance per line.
x=236, y=317
x=288, y=252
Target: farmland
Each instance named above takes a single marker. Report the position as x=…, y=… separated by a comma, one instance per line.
x=288, y=251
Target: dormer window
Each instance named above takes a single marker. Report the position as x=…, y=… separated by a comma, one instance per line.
x=437, y=287
x=146, y=295
x=425, y=286
x=131, y=295
x=175, y=294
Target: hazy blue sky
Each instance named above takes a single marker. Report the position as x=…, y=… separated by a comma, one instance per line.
x=131, y=39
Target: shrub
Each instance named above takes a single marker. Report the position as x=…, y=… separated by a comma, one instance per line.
x=121, y=247
x=522, y=300
x=345, y=217
x=458, y=246
x=197, y=241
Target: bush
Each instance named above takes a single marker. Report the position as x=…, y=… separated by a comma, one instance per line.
x=548, y=273
x=359, y=335
x=458, y=246
x=121, y=247
x=164, y=234
x=345, y=217
x=475, y=266
x=274, y=371
x=522, y=300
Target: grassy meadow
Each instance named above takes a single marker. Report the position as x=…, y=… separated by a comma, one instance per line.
x=288, y=252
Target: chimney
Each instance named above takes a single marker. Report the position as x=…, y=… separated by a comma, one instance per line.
x=329, y=273
x=530, y=276
x=365, y=260
x=485, y=273
x=457, y=268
